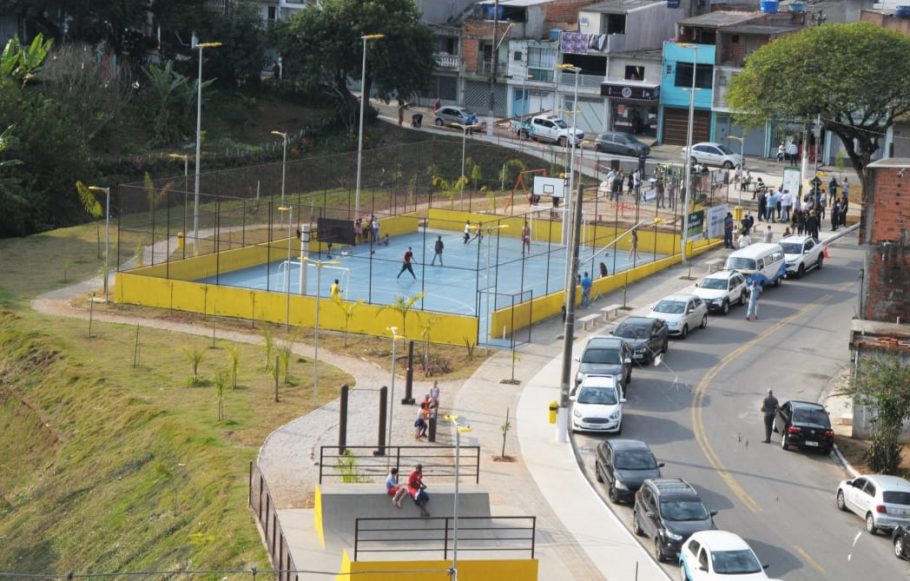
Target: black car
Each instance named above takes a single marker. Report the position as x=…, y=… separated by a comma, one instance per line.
x=623, y=465
x=668, y=511
x=621, y=143
x=805, y=425
x=900, y=536
x=645, y=336
x=605, y=356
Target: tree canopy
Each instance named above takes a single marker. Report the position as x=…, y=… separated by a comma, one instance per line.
x=856, y=77
x=323, y=48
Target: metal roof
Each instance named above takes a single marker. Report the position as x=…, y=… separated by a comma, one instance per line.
x=763, y=29
x=720, y=19
x=517, y=3
x=619, y=6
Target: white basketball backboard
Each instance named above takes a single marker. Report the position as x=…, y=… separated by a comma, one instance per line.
x=555, y=187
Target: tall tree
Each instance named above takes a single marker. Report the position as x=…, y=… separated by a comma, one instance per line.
x=856, y=77
x=323, y=48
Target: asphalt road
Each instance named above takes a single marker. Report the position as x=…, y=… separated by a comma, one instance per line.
x=700, y=414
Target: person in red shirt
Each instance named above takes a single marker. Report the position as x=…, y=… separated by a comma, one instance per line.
x=418, y=491
x=406, y=265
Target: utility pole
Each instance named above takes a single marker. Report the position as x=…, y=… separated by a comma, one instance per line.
x=493, y=68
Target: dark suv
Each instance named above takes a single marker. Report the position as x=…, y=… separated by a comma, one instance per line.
x=805, y=425
x=622, y=465
x=645, y=336
x=668, y=511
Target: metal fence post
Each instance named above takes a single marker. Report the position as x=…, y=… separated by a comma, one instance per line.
x=342, y=421
x=383, y=402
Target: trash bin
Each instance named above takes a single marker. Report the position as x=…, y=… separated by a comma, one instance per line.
x=416, y=119
x=554, y=407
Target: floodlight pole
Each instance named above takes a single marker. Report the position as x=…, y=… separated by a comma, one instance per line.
x=107, y=235
x=200, y=46
x=363, y=98
x=684, y=239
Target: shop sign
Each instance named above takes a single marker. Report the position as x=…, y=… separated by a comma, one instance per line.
x=637, y=93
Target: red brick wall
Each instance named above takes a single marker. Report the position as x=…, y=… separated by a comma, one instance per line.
x=566, y=10
x=886, y=21
x=469, y=48
x=886, y=224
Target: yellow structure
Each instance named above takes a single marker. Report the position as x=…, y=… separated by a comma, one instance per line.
x=468, y=570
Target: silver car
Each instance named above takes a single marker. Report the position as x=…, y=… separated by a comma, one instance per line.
x=682, y=313
x=455, y=116
x=713, y=154
x=883, y=501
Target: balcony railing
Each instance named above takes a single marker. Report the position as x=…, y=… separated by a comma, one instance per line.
x=584, y=81
x=540, y=75
x=447, y=61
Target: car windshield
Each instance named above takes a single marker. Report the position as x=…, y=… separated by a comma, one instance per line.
x=713, y=283
x=597, y=395
x=791, y=247
x=683, y=510
x=635, y=460
x=895, y=497
x=633, y=331
x=607, y=356
x=624, y=138
x=724, y=149
x=735, y=562
x=561, y=124
x=811, y=416
x=670, y=307
x=739, y=263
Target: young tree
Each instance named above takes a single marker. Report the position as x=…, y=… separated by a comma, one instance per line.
x=883, y=386
x=348, y=310
x=855, y=76
x=403, y=305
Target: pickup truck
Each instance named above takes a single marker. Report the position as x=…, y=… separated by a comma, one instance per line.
x=548, y=128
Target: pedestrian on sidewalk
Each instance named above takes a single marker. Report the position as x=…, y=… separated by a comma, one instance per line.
x=785, y=203
x=406, y=264
x=822, y=205
x=812, y=224
x=780, y=153
x=769, y=235
x=832, y=186
x=762, y=205
x=769, y=409
x=793, y=153
x=437, y=248
x=728, y=230
x=418, y=490
x=586, y=290
x=754, y=290
x=394, y=489
x=835, y=216
x=846, y=188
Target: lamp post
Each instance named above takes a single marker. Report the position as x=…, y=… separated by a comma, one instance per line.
x=363, y=99
x=684, y=239
x=319, y=264
x=200, y=46
x=186, y=173
x=395, y=337
x=107, y=234
x=459, y=429
x=571, y=143
x=742, y=156
x=464, y=139
x=287, y=269
x=284, y=160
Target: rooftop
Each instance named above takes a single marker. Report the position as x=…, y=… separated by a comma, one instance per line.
x=893, y=162
x=517, y=3
x=763, y=29
x=619, y=6
x=720, y=19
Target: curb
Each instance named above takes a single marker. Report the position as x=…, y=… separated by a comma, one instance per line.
x=823, y=397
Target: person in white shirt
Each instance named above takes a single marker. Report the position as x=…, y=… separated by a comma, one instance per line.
x=769, y=235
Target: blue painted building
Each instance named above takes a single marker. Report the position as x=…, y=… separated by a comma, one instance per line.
x=680, y=62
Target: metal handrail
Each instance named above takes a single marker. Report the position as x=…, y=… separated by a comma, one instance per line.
x=438, y=462
x=263, y=507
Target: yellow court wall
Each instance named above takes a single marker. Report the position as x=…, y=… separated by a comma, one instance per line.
x=468, y=570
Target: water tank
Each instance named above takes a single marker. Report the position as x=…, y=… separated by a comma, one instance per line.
x=902, y=11
x=769, y=6
x=554, y=34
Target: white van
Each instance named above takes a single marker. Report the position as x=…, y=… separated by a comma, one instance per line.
x=761, y=261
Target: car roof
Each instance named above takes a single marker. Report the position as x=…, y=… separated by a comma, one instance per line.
x=681, y=297
x=673, y=487
x=638, y=321
x=596, y=339
x=755, y=250
x=622, y=444
x=805, y=404
x=714, y=143
x=796, y=238
x=724, y=274
x=720, y=540
x=598, y=381
x=889, y=482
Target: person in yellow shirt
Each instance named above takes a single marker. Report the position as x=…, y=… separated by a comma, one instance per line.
x=335, y=291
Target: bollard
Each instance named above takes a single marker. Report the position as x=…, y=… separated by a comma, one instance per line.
x=553, y=410
x=431, y=431
x=383, y=402
x=408, y=398
x=343, y=420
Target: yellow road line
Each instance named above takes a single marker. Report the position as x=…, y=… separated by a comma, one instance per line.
x=701, y=389
x=815, y=564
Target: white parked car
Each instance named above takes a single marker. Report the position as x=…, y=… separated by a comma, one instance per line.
x=719, y=555
x=552, y=128
x=712, y=154
x=597, y=405
x=802, y=254
x=681, y=312
x=721, y=289
x=883, y=501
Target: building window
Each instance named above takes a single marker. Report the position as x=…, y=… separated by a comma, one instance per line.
x=634, y=73
x=517, y=56
x=703, y=75
x=615, y=24
x=272, y=13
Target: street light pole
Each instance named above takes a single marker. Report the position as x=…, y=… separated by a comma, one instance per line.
x=395, y=335
x=567, y=209
x=287, y=270
x=684, y=239
x=186, y=173
x=284, y=160
x=107, y=234
x=319, y=265
x=742, y=167
x=459, y=429
x=200, y=46
x=363, y=99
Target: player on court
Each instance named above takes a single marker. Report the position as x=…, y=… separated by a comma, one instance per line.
x=406, y=264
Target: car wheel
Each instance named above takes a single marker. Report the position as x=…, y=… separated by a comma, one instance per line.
x=597, y=473
x=742, y=299
x=619, y=429
x=682, y=573
x=562, y=141
x=439, y=123
x=821, y=259
x=899, y=546
x=778, y=281
x=725, y=308
x=841, y=503
x=783, y=441
x=801, y=271
x=658, y=552
x=685, y=331
x=636, y=526
x=704, y=322
x=666, y=346
x=611, y=494
x=870, y=524
x=728, y=164
x=693, y=161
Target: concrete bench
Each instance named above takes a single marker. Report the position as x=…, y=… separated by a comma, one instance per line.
x=714, y=264
x=610, y=311
x=588, y=320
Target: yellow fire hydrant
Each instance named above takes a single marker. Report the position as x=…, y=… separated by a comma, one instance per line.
x=554, y=407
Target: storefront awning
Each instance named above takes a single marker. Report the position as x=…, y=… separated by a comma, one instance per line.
x=635, y=92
